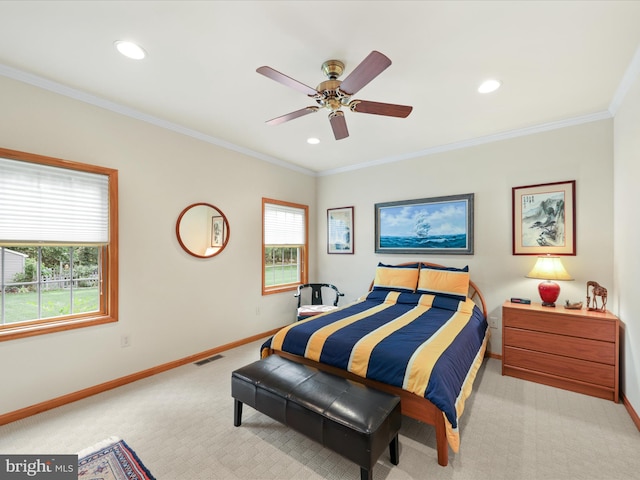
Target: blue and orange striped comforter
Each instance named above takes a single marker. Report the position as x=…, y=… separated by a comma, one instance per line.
x=429, y=345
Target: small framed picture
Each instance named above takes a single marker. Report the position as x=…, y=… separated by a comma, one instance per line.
x=544, y=219
x=217, y=231
x=340, y=230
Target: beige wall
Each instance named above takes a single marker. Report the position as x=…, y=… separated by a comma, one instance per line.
x=583, y=153
x=626, y=227
x=171, y=304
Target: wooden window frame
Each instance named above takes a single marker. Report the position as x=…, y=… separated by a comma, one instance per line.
x=304, y=262
x=108, y=312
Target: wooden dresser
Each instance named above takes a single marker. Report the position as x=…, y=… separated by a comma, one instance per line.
x=576, y=350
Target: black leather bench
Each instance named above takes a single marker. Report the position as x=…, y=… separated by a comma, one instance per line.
x=355, y=421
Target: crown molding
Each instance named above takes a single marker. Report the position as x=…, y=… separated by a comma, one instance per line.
x=631, y=74
x=477, y=141
x=76, y=94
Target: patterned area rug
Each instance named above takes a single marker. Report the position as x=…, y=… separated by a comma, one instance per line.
x=111, y=459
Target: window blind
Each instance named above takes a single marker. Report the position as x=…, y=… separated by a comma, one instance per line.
x=46, y=204
x=283, y=225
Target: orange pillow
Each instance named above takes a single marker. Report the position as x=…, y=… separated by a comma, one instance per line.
x=391, y=277
x=452, y=282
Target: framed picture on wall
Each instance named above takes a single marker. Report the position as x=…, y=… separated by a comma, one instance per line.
x=340, y=230
x=544, y=219
x=217, y=231
x=439, y=225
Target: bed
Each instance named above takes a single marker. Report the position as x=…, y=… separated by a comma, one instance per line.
x=420, y=332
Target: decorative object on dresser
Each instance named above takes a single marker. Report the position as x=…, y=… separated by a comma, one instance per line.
x=544, y=219
x=573, y=305
x=549, y=268
x=596, y=291
x=576, y=350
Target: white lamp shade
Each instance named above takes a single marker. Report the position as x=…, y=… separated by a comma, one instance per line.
x=549, y=268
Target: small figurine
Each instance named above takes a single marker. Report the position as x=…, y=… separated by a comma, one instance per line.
x=572, y=305
x=596, y=291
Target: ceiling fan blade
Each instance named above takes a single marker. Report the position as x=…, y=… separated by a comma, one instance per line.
x=338, y=124
x=292, y=115
x=369, y=68
x=377, y=108
x=288, y=81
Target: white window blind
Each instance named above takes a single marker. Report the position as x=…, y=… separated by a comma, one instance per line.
x=283, y=225
x=41, y=203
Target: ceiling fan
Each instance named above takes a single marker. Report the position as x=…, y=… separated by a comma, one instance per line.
x=334, y=94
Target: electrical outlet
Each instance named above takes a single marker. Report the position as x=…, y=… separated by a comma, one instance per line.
x=125, y=341
x=493, y=322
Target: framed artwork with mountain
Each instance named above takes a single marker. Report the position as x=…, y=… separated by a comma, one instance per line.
x=439, y=225
x=544, y=219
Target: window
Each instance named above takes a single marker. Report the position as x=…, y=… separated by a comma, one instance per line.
x=284, y=245
x=58, y=244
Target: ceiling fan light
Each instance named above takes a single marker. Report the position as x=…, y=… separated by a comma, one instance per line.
x=489, y=86
x=130, y=50
x=334, y=94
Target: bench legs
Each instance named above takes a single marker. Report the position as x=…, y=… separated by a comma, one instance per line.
x=393, y=453
x=237, y=413
x=365, y=474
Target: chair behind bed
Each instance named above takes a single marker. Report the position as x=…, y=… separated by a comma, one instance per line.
x=316, y=304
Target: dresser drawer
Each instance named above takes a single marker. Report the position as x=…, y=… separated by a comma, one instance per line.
x=576, y=350
x=585, y=327
x=573, y=368
x=580, y=348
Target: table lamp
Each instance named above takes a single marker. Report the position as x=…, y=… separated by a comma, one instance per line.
x=549, y=268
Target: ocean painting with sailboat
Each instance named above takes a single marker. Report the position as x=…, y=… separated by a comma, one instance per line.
x=429, y=225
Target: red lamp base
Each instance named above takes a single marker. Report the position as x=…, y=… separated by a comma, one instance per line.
x=549, y=293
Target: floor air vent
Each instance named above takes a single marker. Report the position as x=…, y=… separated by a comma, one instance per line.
x=207, y=360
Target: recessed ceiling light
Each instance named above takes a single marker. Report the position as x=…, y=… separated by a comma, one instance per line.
x=130, y=50
x=489, y=86
x=313, y=141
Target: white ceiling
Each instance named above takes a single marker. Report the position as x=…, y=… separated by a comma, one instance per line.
x=560, y=63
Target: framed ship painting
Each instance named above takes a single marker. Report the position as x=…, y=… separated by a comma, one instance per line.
x=439, y=225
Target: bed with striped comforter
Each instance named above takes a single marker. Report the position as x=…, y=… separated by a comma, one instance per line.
x=429, y=345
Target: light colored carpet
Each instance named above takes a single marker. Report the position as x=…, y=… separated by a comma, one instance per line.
x=181, y=425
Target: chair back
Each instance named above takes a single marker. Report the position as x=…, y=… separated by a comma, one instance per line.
x=313, y=296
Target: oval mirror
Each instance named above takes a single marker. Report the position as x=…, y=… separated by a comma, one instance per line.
x=202, y=230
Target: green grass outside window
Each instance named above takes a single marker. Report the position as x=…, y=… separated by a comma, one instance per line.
x=20, y=307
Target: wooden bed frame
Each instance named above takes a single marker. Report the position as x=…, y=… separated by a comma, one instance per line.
x=411, y=404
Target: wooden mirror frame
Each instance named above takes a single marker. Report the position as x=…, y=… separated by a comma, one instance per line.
x=188, y=246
